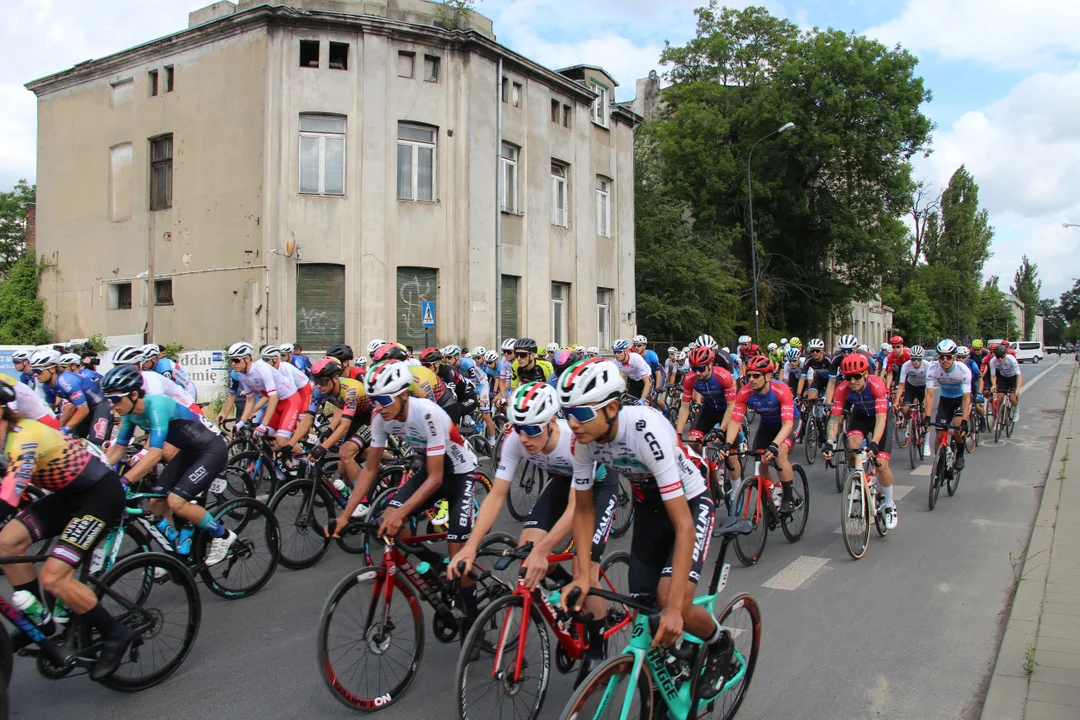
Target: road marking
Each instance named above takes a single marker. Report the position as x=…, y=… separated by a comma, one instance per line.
x=1037, y=378
x=795, y=574
x=923, y=470
x=899, y=491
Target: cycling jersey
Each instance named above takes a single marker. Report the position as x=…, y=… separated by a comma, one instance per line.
x=775, y=407
x=954, y=383
x=975, y=375
x=834, y=364
x=539, y=372
x=263, y=379
x=156, y=384
x=176, y=374
x=791, y=373
x=914, y=376
x=426, y=383
x=75, y=389
x=671, y=366
x=1008, y=367
x=295, y=375
x=717, y=390
x=646, y=452
x=471, y=371
x=872, y=400
x=895, y=361
x=559, y=463
x=28, y=403
x=94, y=378
x=427, y=429
x=28, y=379
x=352, y=399
x=492, y=373
x=654, y=365
x=745, y=353
x=817, y=371
x=635, y=368
x=167, y=421
x=506, y=372
x=301, y=363
x=46, y=458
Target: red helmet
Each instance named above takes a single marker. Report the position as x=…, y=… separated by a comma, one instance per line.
x=761, y=364
x=430, y=356
x=854, y=364
x=701, y=355
x=328, y=367
x=1005, y=343
x=896, y=340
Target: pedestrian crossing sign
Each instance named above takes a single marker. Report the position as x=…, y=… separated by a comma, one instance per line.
x=427, y=313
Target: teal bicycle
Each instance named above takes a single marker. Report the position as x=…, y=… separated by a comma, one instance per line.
x=645, y=683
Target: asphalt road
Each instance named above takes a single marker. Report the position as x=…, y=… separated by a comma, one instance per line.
x=909, y=631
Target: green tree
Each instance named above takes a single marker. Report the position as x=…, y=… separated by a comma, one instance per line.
x=1070, y=303
x=454, y=14
x=1053, y=322
x=13, y=206
x=22, y=312
x=995, y=315
x=914, y=315
x=1026, y=287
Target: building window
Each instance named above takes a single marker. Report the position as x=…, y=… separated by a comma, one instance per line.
x=600, y=104
x=122, y=92
x=510, y=304
x=515, y=95
x=566, y=116
x=560, y=312
x=555, y=104
x=170, y=77
x=603, y=207
x=163, y=292
x=509, y=175
x=416, y=162
x=415, y=286
x=320, y=304
x=151, y=79
x=339, y=56
x=405, y=62
x=120, y=182
x=322, y=154
x=560, y=214
x=431, y=68
x=603, y=318
x=119, y=296
x=161, y=172
x=309, y=53
x=505, y=90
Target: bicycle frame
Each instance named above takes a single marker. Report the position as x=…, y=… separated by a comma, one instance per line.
x=862, y=458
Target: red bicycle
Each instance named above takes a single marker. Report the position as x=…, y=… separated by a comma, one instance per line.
x=758, y=500
x=504, y=665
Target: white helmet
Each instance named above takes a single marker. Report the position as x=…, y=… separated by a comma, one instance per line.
x=20, y=355
x=491, y=356
x=388, y=378
x=374, y=345
x=451, y=350
x=287, y=348
x=693, y=344
x=772, y=346
x=680, y=356
x=726, y=350
x=151, y=350
x=270, y=351
x=864, y=348
x=963, y=351
x=707, y=341
x=479, y=351
x=946, y=346
x=672, y=350
x=816, y=344
x=744, y=339
x=590, y=381
x=552, y=348
x=620, y=345
x=783, y=341
x=70, y=359
x=592, y=350
x=532, y=404
x=917, y=351
x=241, y=349
x=886, y=346
x=128, y=355
x=848, y=342
x=792, y=354
x=361, y=361
x=640, y=340
x=44, y=359
x=508, y=344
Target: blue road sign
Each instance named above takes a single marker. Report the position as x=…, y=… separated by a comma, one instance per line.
x=427, y=313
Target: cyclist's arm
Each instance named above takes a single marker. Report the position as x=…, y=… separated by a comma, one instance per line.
x=965, y=410
x=739, y=412
x=829, y=390
x=837, y=419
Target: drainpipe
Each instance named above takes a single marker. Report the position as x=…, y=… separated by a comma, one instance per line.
x=498, y=205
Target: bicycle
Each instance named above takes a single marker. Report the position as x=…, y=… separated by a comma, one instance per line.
x=379, y=610
x=628, y=685
x=917, y=433
x=1005, y=419
x=978, y=425
x=860, y=500
x=900, y=425
x=814, y=431
x=945, y=472
x=505, y=663
x=758, y=500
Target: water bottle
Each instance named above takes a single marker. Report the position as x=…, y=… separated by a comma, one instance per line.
x=61, y=612
x=777, y=495
x=31, y=607
x=429, y=573
x=341, y=487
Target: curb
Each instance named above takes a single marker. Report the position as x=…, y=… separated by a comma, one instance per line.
x=1006, y=698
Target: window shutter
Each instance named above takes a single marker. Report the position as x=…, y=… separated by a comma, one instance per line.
x=320, y=305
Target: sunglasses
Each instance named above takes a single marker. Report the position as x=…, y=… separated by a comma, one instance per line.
x=521, y=354
x=529, y=430
x=845, y=351
x=384, y=400
x=508, y=352
x=236, y=361
x=945, y=357
x=699, y=368
x=584, y=413
x=856, y=376
x=115, y=399
x=916, y=361
x=815, y=351
x=754, y=375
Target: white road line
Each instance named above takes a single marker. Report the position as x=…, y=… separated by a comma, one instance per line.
x=1037, y=378
x=899, y=491
x=923, y=470
x=795, y=574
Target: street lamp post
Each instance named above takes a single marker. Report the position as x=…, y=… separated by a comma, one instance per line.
x=753, y=246
x=1069, y=225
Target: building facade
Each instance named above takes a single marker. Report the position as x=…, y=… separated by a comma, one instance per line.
x=319, y=171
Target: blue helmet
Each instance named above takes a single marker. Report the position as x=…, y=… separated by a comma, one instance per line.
x=620, y=346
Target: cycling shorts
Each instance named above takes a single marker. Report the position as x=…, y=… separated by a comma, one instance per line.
x=767, y=433
x=1006, y=384
x=552, y=503
x=359, y=433
x=948, y=408
x=96, y=427
x=79, y=514
x=635, y=388
x=708, y=417
x=287, y=412
x=860, y=427
x=914, y=393
x=456, y=489
x=652, y=548
x=191, y=471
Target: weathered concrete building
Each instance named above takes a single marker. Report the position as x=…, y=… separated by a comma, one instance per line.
x=314, y=170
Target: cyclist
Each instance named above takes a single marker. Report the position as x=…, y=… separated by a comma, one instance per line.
x=156, y=361
x=29, y=404
x=816, y=371
x=85, y=498
x=797, y=344
x=882, y=357
x=1005, y=377
x=847, y=345
x=526, y=367
x=865, y=350
x=746, y=349
x=491, y=369
x=272, y=355
x=912, y=386
x=86, y=414
x=656, y=370
x=954, y=407
x=674, y=518
x=636, y=370
x=978, y=352
x=671, y=366
x=154, y=383
x=592, y=351
x=198, y=454
x=20, y=360
x=978, y=402
x=867, y=396
x=714, y=388
x=775, y=354
x=257, y=377
x=474, y=374
x=792, y=372
x=551, y=349
x=293, y=354
x=778, y=418
x=895, y=360
x=724, y=359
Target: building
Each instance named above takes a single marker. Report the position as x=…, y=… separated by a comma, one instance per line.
x=871, y=322
x=316, y=171
x=1018, y=312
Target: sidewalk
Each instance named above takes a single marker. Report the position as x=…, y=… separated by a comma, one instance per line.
x=1037, y=674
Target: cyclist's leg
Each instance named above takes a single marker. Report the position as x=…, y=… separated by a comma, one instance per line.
x=458, y=491
x=696, y=618
x=196, y=472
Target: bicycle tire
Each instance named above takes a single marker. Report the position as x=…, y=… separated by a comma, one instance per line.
x=1010, y=424
x=937, y=476
x=300, y=515
x=751, y=506
x=793, y=525
x=998, y=422
x=624, y=509
x=748, y=644
x=508, y=577
x=915, y=450
x=615, y=569
x=810, y=441
x=525, y=489
x=356, y=543
x=477, y=652
x=369, y=632
x=855, y=507
x=840, y=467
x=106, y=588
x=257, y=549
x=606, y=677
x=7, y=658
x=953, y=482
x=901, y=434
x=260, y=472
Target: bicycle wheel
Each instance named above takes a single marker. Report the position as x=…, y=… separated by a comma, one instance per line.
x=1010, y=423
x=495, y=542
x=999, y=422
x=301, y=516
x=602, y=693
x=166, y=612
x=794, y=524
x=233, y=482
x=953, y=481
x=242, y=443
x=840, y=460
x=525, y=489
x=490, y=682
x=901, y=431
x=742, y=620
x=370, y=639
x=915, y=450
x=619, y=619
x=356, y=543
x=810, y=441
x=855, y=516
x=937, y=476
x=624, y=508
x=252, y=559
x=750, y=505
x=260, y=472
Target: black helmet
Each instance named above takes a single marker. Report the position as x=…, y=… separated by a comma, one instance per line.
x=430, y=356
x=527, y=344
x=7, y=393
x=121, y=380
x=392, y=352
x=1001, y=351
x=341, y=352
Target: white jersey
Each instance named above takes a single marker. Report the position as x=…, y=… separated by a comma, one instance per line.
x=559, y=462
x=413, y=362
x=646, y=452
x=294, y=374
x=261, y=378
x=954, y=383
x=796, y=368
x=1004, y=368
x=635, y=368
x=914, y=376
x=155, y=383
x=29, y=404
x=427, y=429
x=671, y=366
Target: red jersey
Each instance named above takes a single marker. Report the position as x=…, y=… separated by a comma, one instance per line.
x=873, y=400
x=895, y=360
x=775, y=407
x=717, y=391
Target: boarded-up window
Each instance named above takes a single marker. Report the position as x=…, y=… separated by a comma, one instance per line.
x=415, y=285
x=320, y=305
x=122, y=92
x=509, y=307
x=121, y=195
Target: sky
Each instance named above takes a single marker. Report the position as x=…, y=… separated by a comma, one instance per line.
x=1005, y=78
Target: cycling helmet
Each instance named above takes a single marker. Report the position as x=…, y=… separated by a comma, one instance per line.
x=534, y=403
x=962, y=351
x=999, y=351
x=744, y=339
x=451, y=351
x=20, y=355
x=491, y=356
x=977, y=344
x=707, y=341
x=509, y=344
x=917, y=351
x=70, y=359
x=388, y=378
x=772, y=346
x=542, y=352
x=726, y=350
x=817, y=344
x=362, y=361
x=340, y=351
x=552, y=348
x=848, y=342
x=128, y=355
x=854, y=364
x=792, y=354
x=121, y=380
x=479, y=352
x=287, y=348
x=562, y=359
x=672, y=350
x=640, y=340
x=327, y=367
x=896, y=340
x=620, y=346
x=700, y=356
x=795, y=342
x=237, y=350
x=45, y=359
x=374, y=345
x=1005, y=343
x=761, y=364
x=592, y=350
x=151, y=350
x=429, y=356
x=886, y=346
x=590, y=381
x=390, y=351
x=578, y=346
x=946, y=346
x=680, y=356
x=783, y=341
x=526, y=344
x=270, y=351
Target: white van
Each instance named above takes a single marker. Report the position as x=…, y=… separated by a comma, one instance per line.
x=1029, y=351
